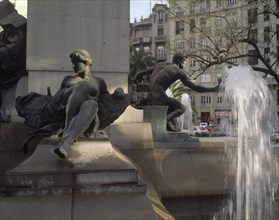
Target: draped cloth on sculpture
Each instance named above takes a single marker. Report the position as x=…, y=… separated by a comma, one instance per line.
x=43, y=113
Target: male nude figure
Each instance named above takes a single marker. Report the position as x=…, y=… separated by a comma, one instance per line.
x=162, y=75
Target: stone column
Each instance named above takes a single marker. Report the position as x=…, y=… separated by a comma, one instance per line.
x=56, y=28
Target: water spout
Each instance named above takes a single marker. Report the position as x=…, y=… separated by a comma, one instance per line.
x=185, y=120
x=256, y=168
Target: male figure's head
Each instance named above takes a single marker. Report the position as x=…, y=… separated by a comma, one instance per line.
x=178, y=59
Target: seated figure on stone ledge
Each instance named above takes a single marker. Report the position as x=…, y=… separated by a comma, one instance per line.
x=73, y=108
x=80, y=94
x=162, y=75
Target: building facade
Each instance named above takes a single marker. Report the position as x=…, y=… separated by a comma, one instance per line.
x=151, y=34
x=204, y=31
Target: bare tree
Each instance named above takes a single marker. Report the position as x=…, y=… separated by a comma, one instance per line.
x=231, y=41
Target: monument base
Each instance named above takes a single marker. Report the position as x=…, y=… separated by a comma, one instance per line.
x=92, y=167
x=94, y=183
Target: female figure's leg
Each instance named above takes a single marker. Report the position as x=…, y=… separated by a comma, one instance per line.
x=78, y=124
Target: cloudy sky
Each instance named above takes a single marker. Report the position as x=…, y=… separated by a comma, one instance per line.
x=140, y=8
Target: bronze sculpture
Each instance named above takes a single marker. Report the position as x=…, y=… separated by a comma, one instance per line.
x=12, y=49
x=162, y=75
x=81, y=106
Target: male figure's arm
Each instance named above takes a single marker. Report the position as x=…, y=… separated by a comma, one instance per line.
x=185, y=80
x=141, y=74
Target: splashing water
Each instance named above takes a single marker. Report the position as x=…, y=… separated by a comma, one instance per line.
x=256, y=167
x=185, y=120
x=169, y=93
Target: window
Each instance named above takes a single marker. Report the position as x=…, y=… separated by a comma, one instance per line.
x=146, y=39
x=160, y=31
x=254, y=35
x=218, y=5
x=267, y=34
x=192, y=25
x=233, y=22
x=160, y=53
x=231, y=2
x=146, y=49
x=179, y=44
x=233, y=58
x=206, y=59
x=205, y=78
x=179, y=12
x=205, y=6
x=160, y=16
x=192, y=63
x=203, y=22
x=218, y=23
x=192, y=44
x=205, y=99
x=192, y=8
x=252, y=59
x=267, y=54
x=252, y=15
x=219, y=99
x=203, y=43
x=179, y=27
x=219, y=42
x=218, y=77
x=266, y=12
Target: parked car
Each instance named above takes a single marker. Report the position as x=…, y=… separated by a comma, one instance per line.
x=199, y=131
x=203, y=124
x=217, y=132
x=274, y=138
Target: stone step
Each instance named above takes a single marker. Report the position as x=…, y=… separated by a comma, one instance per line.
x=79, y=190
x=92, y=167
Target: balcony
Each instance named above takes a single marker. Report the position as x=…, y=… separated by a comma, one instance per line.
x=136, y=41
x=161, y=39
x=141, y=40
x=146, y=40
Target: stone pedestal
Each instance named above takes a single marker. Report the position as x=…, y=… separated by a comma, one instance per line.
x=157, y=117
x=92, y=167
x=94, y=183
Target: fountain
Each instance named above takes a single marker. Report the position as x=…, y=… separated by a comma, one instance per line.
x=185, y=120
x=134, y=173
x=256, y=169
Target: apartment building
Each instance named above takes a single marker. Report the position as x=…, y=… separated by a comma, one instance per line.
x=151, y=34
x=200, y=29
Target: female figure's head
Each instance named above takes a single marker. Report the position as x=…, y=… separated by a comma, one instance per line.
x=81, y=60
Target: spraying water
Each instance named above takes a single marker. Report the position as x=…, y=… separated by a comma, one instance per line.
x=185, y=120
x=256, y=167
x=169, y=93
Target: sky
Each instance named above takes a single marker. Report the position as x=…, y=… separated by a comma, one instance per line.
x=138, y=8
x=143, y=8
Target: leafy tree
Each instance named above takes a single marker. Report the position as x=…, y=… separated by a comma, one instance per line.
x=140, y=60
